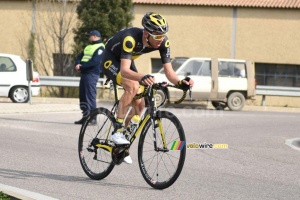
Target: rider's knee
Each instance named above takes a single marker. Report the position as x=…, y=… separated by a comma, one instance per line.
x=132, y=87
x=138, y=105
x=139, y=102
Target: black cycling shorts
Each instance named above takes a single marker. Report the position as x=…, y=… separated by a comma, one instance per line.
x=111, y=67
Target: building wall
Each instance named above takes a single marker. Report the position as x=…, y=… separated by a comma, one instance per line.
x=268, y=35
x=16, y=20
x=193, y=31
x=262, y=35
x=15, y=23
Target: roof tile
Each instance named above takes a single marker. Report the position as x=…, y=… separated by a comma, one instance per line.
x=227, y=3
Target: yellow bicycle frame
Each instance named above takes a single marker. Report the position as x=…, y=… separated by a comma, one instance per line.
x=136, y=134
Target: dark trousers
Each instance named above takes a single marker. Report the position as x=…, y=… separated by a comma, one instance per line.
x=88, y=93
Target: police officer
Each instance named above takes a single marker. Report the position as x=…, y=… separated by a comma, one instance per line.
x=88, y=64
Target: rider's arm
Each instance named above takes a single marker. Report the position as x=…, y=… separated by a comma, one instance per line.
x=170, y=73
x=126, y=72
x=172, y=76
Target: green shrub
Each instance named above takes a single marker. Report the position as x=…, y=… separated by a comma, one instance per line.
x=4, y=196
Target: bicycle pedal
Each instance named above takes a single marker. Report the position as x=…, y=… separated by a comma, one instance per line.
x=120, y=149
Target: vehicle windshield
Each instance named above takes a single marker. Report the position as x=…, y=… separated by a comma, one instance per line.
x=176, y=63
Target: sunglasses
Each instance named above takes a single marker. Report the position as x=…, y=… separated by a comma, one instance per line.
x=157, y=37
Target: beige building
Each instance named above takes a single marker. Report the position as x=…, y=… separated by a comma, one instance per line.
x=265, y=31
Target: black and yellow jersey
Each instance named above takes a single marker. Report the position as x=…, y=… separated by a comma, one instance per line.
x=128, y=44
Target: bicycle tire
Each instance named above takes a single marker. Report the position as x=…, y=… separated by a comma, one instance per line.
x=101, y=166
x=161, y=169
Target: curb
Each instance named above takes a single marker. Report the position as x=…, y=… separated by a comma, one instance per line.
x=18, y=193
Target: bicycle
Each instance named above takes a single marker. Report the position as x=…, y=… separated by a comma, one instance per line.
x=161, y=148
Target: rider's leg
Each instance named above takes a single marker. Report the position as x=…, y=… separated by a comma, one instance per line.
x=131, y=88
x=137, y=109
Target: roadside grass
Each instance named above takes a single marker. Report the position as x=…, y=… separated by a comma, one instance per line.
x=4, y=196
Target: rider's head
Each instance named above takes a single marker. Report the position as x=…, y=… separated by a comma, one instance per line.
x=155, y=23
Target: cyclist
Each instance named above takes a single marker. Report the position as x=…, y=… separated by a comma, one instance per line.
x=118, y=65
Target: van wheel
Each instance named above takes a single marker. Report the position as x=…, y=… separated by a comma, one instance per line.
x=160, y=98
x=219, y=105
x=236, y=101
x=19, y=94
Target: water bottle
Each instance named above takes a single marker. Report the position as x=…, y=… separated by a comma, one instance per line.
x=133, y=126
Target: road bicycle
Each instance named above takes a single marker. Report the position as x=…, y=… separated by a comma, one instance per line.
x=161, y=148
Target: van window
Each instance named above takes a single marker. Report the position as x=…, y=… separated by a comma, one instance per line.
x=205, y=69
x=176, y=63
x=7, y=65
x=196, y=67
x=233, y=69
x=189, y=69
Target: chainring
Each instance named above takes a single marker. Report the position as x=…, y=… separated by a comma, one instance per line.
x=118, y=154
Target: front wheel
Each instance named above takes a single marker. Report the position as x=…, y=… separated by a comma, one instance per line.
x=94, y=146
x=162, y=166
x=19, y=94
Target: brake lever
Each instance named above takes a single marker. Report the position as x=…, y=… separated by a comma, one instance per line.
x=164, y=84
x=149, y=90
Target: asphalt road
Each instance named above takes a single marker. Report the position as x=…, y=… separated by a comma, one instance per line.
x=39, y=154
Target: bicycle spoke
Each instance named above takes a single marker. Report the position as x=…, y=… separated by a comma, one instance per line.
x=161, y=168
x=166, y=167
x=95, y=160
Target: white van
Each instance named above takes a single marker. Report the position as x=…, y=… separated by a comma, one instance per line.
x=13, y=79
x=224, y=82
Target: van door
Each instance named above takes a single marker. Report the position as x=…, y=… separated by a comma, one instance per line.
x=200, y=71
x=232, y=77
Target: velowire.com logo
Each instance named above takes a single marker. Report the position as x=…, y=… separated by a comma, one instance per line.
x=206, y=146
x=179, y=145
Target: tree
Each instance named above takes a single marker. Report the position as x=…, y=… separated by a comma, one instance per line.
x=55, y=20
x=107, y=16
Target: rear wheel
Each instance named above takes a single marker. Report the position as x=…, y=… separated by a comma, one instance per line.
x=161, y=167
x=94, y=146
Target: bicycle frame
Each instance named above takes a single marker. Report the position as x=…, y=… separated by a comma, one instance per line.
x=149, y=114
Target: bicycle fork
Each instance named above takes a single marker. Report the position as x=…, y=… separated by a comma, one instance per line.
x=154, y=126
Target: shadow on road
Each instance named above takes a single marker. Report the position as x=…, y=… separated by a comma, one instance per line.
x=19, y=174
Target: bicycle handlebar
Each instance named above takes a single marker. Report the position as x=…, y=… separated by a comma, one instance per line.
x=161, y=86
x=165, y=84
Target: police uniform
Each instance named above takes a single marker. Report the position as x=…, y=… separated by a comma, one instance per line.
x=90, y=70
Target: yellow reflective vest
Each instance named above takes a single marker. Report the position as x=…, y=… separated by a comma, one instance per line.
x=89, y=51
